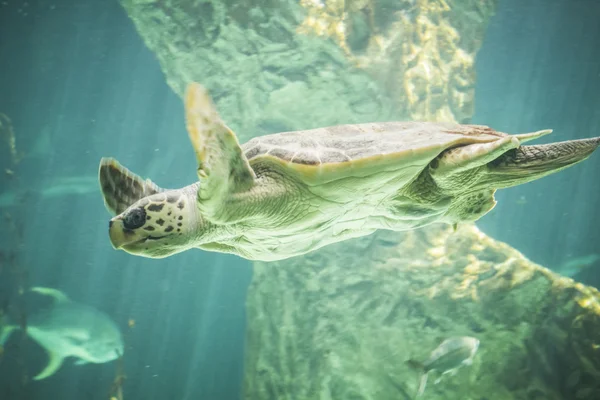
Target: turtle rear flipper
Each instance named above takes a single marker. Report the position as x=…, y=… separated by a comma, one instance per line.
x=121, y=187
x=223, y=169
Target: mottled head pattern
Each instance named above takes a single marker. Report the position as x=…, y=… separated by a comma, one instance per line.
x=156, y=226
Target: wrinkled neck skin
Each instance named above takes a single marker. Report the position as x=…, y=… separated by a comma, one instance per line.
x=268, y=206
x=221, y=237
x=201, y=231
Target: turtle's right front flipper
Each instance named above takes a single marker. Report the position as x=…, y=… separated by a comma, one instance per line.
x=223, y=169
x=121, y=187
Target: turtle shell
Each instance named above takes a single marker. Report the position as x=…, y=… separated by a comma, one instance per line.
x=318, y=156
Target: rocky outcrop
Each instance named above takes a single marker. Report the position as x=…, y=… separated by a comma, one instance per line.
x=285, y=65
x=340, y=323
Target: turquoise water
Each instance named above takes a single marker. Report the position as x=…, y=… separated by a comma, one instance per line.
x=78, y=83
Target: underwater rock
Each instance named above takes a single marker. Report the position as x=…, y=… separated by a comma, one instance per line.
x=249, y=55
x=422, y=52
x=275, y=66
x=340, y=323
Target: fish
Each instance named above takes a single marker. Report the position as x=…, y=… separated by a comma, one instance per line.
x=70, y=329
x=56, y=188
x=522, y=200
x=576, y=265
x=447, y=358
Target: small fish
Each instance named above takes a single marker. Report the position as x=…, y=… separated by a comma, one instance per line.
x=60, y=187
x=522, y=200
x=576, y=265
x=447, y=358
x=70, y=329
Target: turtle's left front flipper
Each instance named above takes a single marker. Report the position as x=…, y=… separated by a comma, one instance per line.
x=223, y=170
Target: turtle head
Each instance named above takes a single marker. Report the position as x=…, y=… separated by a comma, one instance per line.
x=156, y=226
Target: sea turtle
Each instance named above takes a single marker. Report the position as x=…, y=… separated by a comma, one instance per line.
x=286, y=194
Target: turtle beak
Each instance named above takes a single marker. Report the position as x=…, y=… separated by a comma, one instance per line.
x=119, y=236
x=528, y=163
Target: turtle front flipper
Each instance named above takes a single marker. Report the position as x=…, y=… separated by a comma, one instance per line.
x=121, y=187
x=223, y=170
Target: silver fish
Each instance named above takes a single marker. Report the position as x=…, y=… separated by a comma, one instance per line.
x=447, y=358
x=70, y=329
x=56, y=188
x=576, y=265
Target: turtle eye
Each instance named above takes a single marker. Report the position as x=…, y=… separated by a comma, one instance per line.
x=135, y=218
